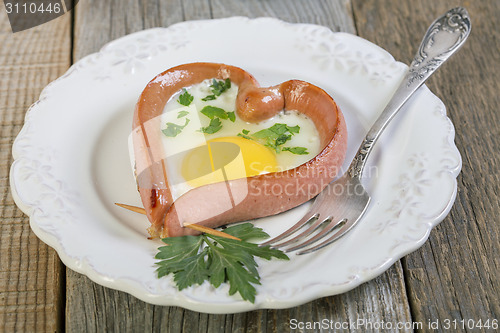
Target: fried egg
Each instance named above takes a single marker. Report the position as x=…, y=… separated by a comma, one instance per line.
x=200, y=150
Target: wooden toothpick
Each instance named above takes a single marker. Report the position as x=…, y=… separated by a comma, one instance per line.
x=193, y=226
x=136, y=209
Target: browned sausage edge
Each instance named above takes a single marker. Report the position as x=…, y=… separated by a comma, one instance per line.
x=242, y=199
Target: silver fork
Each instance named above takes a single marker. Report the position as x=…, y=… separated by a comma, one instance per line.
x=332, y=215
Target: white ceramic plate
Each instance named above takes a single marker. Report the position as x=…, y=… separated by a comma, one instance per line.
x=71, y=159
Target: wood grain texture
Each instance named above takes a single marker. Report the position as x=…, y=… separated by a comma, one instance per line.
x=337, y=15
x=456, y=275
x=98, y=22
x=91, y=307
x=31, y=298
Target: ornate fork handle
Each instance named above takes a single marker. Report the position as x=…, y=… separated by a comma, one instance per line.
x=443, y=38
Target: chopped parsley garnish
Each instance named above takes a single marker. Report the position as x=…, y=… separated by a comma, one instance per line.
x=217, y=88
x=282, y=139
x=215, y=114
x=214, y=126
x=173, y=130
x=276, y=130
x=185, y=98
x=195, y=259
x=244, y=134
x=182, y=114
x=275, y=137
x=209, y=98
x=296, y=150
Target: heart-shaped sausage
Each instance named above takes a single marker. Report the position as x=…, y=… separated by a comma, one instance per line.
x=231, y=201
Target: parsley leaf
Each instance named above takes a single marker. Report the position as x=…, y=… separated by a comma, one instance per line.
x=195, y=259
x=244, y=134
x=240, y=270
x=182, y=248
x=193, y=271
x=294, y=129
x=214, y=126
x=280, y=140
x=264, y=134
x=217, y=88
x=182, y=257
x=215, y=114
x=246, y=231
x=185, y=98
x=276, y=130
x=296, y=150
x=213, y=111
x=182, y=114
x=208, y=98
x=173, y=130
x=275, y=137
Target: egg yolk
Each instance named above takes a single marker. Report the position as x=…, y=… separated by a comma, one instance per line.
x=227, y=158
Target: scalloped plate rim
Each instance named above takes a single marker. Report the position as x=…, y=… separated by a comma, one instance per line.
x=237, y=306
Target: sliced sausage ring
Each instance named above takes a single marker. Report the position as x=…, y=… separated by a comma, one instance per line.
x=250, y=197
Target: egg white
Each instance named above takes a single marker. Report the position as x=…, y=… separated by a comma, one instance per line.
x=191, y=136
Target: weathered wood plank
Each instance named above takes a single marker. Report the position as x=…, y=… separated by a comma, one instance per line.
x=98, y=22
x=456, y=275
x=333, y=14
x=91, y=307
x=31, y=275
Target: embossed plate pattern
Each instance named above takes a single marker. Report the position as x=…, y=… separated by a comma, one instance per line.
x=71, y=159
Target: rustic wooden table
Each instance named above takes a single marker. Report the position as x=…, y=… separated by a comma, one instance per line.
x=454, y=276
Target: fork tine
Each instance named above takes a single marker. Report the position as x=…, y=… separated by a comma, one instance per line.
x=303, y=234
x=339, y=233
x=293, y=229
x=331, y=226
x=345, y=228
